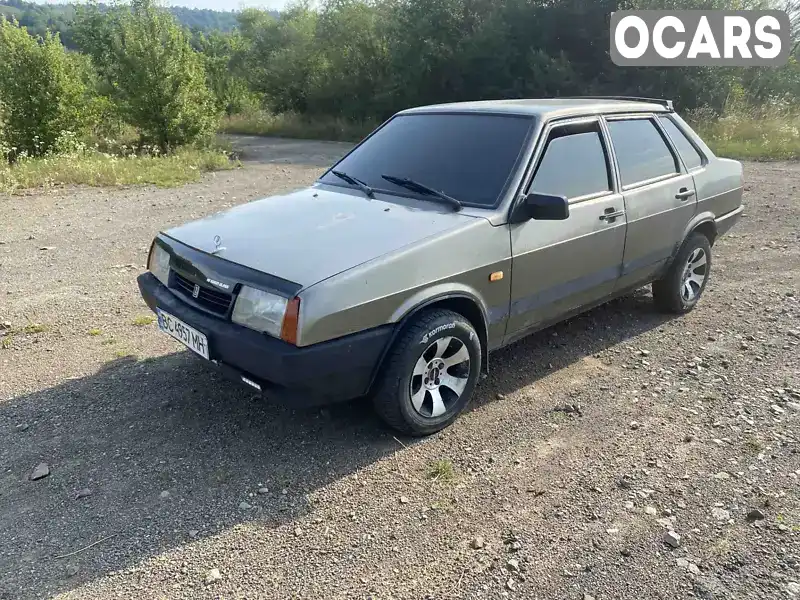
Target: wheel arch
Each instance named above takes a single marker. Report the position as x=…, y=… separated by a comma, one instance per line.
x=462, y=302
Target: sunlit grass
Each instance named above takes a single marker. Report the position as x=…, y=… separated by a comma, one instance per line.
x=96, y=168
x=751, y=134
x=291, y=125
x=143, y=320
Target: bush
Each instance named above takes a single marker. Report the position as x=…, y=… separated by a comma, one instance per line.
x=150, y=71
x=42, y=95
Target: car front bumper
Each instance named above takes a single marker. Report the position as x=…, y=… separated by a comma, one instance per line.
x=328, y=372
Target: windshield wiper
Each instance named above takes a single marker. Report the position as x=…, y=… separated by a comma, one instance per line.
x=410, y=184
x=353, y=181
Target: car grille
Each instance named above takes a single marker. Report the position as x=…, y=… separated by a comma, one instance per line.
x=208, y=298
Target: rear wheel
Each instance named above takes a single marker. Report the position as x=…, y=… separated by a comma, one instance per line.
x=429, y=374
x=680, y=289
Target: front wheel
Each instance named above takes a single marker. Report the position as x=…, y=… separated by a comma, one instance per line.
x=680, y=289
x=429, y=374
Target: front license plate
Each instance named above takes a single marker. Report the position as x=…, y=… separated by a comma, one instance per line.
x=189, y=336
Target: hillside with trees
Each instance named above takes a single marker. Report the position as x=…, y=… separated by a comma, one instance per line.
x=140, y=71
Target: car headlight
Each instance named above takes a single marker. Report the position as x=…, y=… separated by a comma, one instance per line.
x=158, y=264
x=259, y=310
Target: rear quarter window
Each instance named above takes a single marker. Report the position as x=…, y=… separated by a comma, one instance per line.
x=689, y=154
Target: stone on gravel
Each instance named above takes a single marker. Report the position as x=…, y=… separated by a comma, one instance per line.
x=795, y=406
x=41, y=471
x=404, y=500
x=793, y=589
x=194, y=533
x=755, y=515
x=513, y=564
x=650, y=510
x=245, y=506
x=477, y=543
x=722, y=476
x=511, y=585
x=22, y=427
x=5, y=325
x=682, y=563
x=587, y=596
x=635, y=425
x=84, y=493
x=720, y=514
x=71, y=570
x=672, y=539
x=709, y=588
x=164, y=495
x=263, y=491
x=213, y=576
x=298, y=531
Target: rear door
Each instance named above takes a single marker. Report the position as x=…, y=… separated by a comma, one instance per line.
x=559, y=266
x=660, y=196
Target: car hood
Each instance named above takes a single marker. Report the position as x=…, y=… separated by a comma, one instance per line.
x=315, y=233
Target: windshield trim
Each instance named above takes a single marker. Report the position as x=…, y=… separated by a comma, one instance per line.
x=501, y=195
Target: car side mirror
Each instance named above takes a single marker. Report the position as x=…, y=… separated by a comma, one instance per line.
x=542, y=207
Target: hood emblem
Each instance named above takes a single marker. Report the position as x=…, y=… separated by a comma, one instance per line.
x=218, y=247
x=196, y=291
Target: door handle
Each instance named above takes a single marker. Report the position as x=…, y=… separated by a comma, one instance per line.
x=684, y=194
x=611, y=213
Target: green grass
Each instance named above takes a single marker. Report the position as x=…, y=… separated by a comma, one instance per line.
x=35, y=328
x=750, y=133
x=95, y=332
x=142, y=321
x=5, y=342
x=290, y=125
x=100, y=169
x=441, y=470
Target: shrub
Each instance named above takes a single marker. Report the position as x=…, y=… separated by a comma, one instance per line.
x=41, y=92
x=150, y=70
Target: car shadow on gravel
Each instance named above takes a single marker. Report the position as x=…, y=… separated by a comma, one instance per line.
x=161, y=451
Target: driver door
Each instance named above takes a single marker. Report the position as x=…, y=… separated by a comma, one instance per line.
x=561, y=266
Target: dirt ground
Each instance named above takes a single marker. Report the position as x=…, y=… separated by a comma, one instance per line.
x=167, y=482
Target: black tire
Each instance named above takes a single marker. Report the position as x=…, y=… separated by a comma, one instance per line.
x=669, y=293
x=392, y=396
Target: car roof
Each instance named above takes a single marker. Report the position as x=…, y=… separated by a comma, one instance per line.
x=547, y=108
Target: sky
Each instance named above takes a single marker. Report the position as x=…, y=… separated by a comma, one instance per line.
x=214, y=4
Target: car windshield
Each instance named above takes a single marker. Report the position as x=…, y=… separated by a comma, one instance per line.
x=469, y=157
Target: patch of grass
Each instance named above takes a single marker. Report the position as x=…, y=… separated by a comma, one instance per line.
x=291, y=125
x=109, y=342
x=750, y=133
x=122, y=353
x=34, y=328
x=96, y=168
x=95, y=332
x=6, y=341
x=441, y=470
x=753, y=446
x=721, y=547
x=143, y=320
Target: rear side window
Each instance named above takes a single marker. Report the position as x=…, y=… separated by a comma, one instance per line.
x=691, y=157
x=642, y=153
x=574, y=164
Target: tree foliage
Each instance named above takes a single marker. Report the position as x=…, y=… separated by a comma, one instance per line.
x=42, y=92
x=150, y=71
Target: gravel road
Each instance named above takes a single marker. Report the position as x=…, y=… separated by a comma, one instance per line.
x=587, y=445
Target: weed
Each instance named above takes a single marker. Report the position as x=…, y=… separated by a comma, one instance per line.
x=35, y=328
x=753, y=446
x=95, y=332
x=109, y=341
x=144, y=320
x=5, y=342
x=441, y=470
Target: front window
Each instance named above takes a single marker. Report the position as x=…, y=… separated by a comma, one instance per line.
x=470, y=157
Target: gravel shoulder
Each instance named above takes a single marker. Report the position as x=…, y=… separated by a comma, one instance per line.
x=586, y=445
